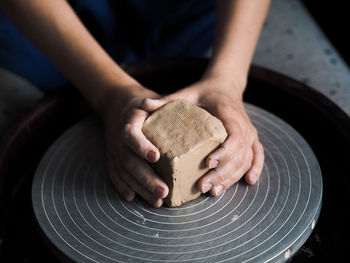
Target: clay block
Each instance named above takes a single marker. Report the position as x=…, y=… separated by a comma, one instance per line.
x=185, y=135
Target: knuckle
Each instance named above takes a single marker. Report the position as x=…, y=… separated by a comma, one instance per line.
x=259, y=165
x=225, y=151
x=247, y=166
x=138, y=188
x=144, y=102
x=129, y=165
x=247, y=161
x=220, y=177
x=225, y=146
x=129, y=131
x=240, y=160
x=260, y=148
x=147, y=181
x=224, y=109
x=241, y=142
x=250, y=158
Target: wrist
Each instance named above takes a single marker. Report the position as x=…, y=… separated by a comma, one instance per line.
x=226, y=80
x=227, y=71
x=117, y=97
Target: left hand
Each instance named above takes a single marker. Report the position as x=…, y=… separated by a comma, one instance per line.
x=241, y=153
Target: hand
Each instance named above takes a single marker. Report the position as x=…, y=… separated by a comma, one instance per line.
x=241, y=153
x=129, y=152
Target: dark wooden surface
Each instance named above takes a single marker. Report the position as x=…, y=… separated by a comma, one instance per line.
x=320, y=122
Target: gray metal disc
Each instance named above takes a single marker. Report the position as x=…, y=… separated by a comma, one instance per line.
x=82, y=215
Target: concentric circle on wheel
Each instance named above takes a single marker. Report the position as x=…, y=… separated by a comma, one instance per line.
x=83, y=216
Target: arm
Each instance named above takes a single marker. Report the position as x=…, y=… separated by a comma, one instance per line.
x=220, y=91
x=53, y=27
x=238, y=27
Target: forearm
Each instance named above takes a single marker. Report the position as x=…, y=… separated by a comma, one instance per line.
x=54, y=28
x=238, y=26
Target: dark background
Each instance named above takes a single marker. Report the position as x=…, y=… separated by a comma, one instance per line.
x=333, y=17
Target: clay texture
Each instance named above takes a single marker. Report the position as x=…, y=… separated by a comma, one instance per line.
x=185, y=135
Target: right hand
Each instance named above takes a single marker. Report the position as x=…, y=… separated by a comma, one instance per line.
x=129, y=152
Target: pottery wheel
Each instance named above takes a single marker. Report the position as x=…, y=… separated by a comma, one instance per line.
x=84, y=218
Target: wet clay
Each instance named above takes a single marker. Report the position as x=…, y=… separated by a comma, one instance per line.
x=185, y=135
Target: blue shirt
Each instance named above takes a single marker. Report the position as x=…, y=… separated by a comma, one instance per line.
x=129, y=30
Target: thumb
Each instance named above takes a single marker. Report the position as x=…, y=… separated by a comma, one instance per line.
x=151, y=105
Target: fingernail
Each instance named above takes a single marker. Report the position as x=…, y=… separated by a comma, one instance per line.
x=214, y=163
x=218, y=189
x=160, y=192
x=206, y=187
x=151, y=156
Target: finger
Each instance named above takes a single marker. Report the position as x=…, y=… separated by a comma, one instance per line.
x=132, y=135
x=141, y=190
x=145, y=175
x=257, y=165
x=226, y=152
x=122, y=188
x=234, y=178
x=234, y=168
x=229, y=148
